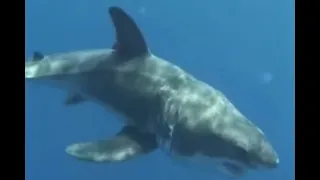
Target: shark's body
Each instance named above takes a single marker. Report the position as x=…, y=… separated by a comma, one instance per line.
x=163, y=106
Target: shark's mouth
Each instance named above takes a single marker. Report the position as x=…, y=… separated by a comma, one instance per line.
x=225, y=166
x=229, y=167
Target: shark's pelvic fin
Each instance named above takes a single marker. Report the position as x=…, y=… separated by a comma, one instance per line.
x=130, y=42
x=73, y=99
x=37, y=56
x=127, y=144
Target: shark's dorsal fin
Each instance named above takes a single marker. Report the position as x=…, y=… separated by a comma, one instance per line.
x=115, y=45
x=130, y=42
x=37, y=56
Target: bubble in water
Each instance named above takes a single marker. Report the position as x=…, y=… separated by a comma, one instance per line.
x=142, y=11
x=267, y=77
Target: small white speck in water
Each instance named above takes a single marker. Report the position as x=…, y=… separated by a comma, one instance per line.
x=267, y=78
x=142, y=11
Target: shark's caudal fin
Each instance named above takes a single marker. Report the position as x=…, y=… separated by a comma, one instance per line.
x=129, y=39
x=127, y=144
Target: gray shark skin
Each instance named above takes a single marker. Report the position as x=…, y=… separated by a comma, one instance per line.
x=162, y=105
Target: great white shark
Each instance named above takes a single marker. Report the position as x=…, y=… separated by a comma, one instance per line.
x=162, y=105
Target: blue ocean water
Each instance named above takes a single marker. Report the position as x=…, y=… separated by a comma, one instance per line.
x=245, y=48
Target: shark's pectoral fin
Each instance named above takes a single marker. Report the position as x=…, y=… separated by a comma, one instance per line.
x=127, y=144
x=130, y=42
x=73, y=99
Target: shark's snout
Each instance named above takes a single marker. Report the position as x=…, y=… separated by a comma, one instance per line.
x=271, y=160
x=267, y=156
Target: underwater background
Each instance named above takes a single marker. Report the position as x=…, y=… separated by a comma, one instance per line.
x=245, y=48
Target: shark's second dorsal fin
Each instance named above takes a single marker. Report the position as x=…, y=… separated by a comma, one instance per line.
x=37, y=56
x=129, y=39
